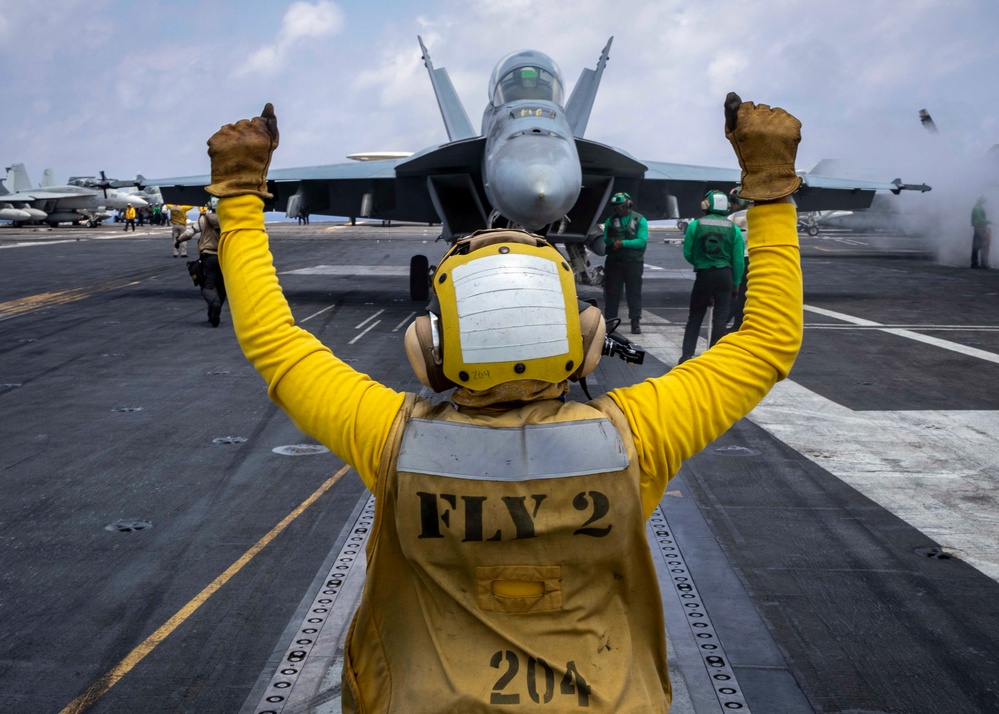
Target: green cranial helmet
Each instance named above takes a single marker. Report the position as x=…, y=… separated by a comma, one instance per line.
x=529, y=77
x=618, y=198
x=715, y=202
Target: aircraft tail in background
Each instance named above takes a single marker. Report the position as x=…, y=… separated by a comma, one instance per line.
x=17, y=178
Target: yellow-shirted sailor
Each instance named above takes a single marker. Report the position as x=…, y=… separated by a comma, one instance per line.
x=508, y=568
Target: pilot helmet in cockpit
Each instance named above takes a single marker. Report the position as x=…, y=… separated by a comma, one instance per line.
x=529, y=77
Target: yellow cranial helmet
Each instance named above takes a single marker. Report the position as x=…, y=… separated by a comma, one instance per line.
x=504, y=309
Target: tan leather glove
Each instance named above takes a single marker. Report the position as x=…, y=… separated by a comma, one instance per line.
x=766, y=142
x=241, y=154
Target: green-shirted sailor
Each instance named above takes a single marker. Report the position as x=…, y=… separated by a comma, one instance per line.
x=626, y=234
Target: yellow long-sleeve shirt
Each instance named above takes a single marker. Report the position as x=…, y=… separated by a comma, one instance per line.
x=178, y=214
x=672, y=417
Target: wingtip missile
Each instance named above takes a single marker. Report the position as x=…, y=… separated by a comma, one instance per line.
x=899, y=187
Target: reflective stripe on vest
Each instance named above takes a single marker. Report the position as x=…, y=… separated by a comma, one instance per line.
x=536, y=593
x=715, y=222
x=533, y=451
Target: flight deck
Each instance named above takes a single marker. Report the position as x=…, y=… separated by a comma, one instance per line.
x=172, y=543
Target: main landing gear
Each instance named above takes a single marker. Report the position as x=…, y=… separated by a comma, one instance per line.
x=419, y=278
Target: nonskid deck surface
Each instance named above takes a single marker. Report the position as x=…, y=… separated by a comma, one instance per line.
x=167, y=533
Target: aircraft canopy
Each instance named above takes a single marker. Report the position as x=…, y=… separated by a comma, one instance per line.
x=527, y=74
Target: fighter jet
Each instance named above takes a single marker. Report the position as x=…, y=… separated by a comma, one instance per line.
x=529, y=166
x=141, y=188
x=82, y=200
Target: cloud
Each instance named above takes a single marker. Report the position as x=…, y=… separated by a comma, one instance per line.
x=126, y=76
x=302, y=21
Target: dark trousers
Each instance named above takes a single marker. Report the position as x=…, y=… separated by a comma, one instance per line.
x=710, y=284
x=623, y=275
x=979, y=250
x=130, y=222
x=213, y=289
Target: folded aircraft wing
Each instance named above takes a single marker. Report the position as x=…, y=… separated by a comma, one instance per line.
x=39, y=195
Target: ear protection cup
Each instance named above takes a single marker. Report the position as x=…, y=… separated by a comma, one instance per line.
x=593, y=329
x=705, y=204
x=419, y=343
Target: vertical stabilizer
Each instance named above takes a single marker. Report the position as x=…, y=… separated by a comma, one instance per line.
x=455, y=119
x=48, y=179
x=577, y=109
x=17, y=178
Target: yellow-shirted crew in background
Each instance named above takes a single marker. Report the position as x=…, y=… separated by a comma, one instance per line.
x=508, y=567
x=178, y=224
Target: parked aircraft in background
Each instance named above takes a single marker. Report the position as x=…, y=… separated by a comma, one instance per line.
x=882, y=215
x=141, y=188
x=529, y=166
x=82, y=200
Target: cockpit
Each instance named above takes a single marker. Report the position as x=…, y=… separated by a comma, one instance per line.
x=529, y=75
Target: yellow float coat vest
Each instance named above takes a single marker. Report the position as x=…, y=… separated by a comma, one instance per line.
x=508, y=568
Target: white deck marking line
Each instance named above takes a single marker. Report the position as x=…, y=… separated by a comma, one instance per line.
x=926, y=339
x=362, y=324
x=28, y=244
x=934, y=469
x=912, y=326
x=317, y=314
x=374, y=324
x=405, y=322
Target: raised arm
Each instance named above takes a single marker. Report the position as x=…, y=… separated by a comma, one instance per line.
x=674, y=416
x=345, y=410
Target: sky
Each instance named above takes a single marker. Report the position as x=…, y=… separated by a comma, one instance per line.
x=127, y=87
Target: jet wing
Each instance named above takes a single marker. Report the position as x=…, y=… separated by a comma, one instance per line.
x=675, y=190
x=688, y=183
x=40, y=195
x=828, y=193
x=179, y=189
x=388, y=189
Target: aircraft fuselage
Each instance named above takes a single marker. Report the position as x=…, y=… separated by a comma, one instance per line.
x=530, y=168
x=68, y=206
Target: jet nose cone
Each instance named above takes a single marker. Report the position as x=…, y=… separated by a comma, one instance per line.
x=534, y=180
x=138, y=202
